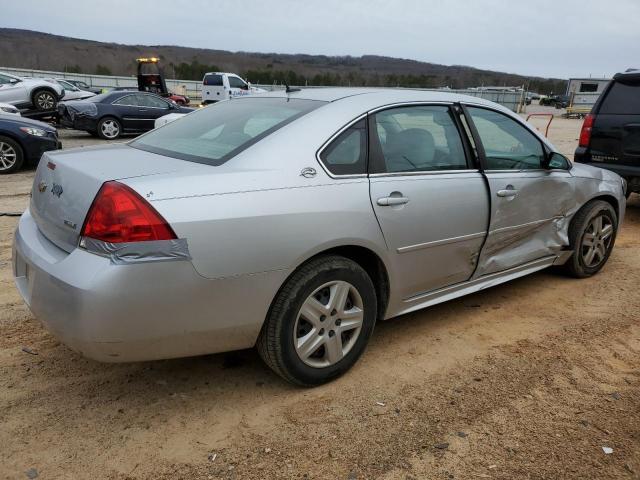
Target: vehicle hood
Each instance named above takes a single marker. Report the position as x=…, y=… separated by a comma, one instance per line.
x=25, y=122
x=581, y=170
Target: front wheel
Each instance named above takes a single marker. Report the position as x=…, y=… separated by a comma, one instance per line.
x=109, y=128
x=320, y=321
x=11, y=155
x=592, y=235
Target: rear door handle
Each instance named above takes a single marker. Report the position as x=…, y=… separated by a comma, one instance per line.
x=507, y=193
x=390, y=201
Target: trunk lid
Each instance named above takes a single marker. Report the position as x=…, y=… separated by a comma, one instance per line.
x=66, y=182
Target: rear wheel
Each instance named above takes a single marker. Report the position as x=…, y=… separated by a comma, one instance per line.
x=109, y=128
x=592, y=235
x=320, y=321
x=11, y=155
x=44, y=100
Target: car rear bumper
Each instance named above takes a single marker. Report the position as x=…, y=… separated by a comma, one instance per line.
x=133, y=312
x=582, y=155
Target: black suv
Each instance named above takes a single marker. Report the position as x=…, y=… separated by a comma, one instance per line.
x=610, y=136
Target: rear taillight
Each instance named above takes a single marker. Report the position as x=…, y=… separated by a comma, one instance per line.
x=118, y=214
x=585, y=133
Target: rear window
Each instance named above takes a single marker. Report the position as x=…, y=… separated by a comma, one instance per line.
x=622, y=99
x=213, y=80
x=218, y=132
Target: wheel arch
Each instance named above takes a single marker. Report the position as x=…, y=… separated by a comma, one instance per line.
x=16, y=139
x=608, y=198
x=370, y=262
x=40, y=88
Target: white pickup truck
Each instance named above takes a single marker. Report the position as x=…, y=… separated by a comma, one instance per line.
x=218, y=86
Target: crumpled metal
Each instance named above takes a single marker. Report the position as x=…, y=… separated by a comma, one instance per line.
x=139, y=252
x=80, y=108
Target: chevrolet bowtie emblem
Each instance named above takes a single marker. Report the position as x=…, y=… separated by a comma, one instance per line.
x=42, y=187
x=56, y=190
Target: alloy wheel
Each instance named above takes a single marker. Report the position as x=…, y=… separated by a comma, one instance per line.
x=45, y=101
x=8, y=156
x=596, y=240
x=110, y=128
x=328, y=324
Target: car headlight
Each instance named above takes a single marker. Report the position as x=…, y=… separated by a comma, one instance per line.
x=9, y=109
x=624, y=186
x=36, y=132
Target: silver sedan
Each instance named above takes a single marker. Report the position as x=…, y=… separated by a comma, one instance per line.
x=294, y=221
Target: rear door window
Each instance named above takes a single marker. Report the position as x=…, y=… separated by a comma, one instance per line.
x=622, y=99
x=417, y=139
x=128, y=100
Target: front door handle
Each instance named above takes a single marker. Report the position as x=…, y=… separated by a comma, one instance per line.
x=391, y=201
x=508, y=192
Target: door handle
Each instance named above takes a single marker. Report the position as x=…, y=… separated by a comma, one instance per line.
x=507, y=193
x=391, y=201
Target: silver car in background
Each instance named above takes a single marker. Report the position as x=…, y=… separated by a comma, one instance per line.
x=294, y=221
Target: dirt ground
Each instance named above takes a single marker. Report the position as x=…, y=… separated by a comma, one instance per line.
x=528, y=380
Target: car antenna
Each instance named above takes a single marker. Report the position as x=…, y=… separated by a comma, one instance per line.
x=288, y=89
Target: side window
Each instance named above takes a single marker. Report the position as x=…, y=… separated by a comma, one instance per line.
x=507, y=144
x=347, y=154
x=155, y=102
x=420, y=138
x=127, y=100
x=213, y=80
x=4, y=80
x=235, y=82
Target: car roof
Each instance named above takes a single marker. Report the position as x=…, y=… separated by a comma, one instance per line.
x=379, y=96
x=630, y=76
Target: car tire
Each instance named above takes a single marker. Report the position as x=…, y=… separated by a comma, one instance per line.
x=109, y=128
x=11, y=155
x=309, y=353
x=44, y=100
x=592, y=235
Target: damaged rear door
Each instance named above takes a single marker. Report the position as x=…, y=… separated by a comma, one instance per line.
x=529, y=203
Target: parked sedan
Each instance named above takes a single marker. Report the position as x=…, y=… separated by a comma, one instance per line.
x=84, y=86
x=294, y=221
x=71, y=91
x=23, y=140
x=112, y=114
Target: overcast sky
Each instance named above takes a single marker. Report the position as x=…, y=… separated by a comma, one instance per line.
x=559, y=38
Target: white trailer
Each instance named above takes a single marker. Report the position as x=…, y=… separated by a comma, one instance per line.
x=583, y=93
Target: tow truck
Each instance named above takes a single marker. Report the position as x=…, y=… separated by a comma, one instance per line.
x=151, y=79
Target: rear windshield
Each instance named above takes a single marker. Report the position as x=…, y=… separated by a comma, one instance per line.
x=622, y=99
x=214, y=134
x=213, y=80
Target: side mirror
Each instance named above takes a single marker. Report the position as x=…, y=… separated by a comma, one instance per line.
x=555, y=161
x=13, y=81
